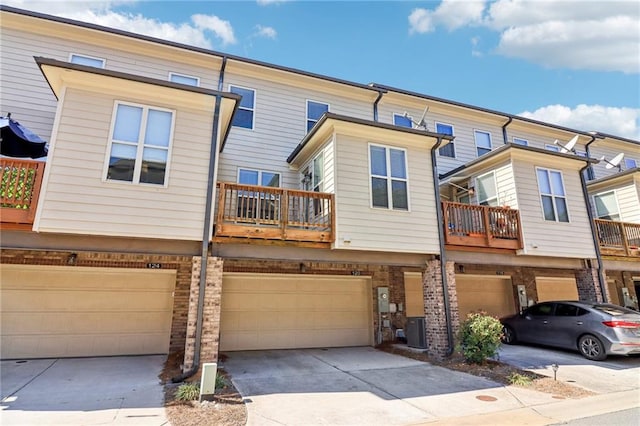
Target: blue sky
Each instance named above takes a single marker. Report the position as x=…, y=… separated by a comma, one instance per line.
x=573, y=63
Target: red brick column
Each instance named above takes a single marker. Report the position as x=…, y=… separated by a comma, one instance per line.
x=434, y=307
x=589, y=285
x=211, y=313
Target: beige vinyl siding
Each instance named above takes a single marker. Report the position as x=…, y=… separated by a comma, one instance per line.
x=26, y=94
x=629, y=203
x=383, y=229
x=279, y=126
x=571, y=239
x=76, y=199
x=609, y=151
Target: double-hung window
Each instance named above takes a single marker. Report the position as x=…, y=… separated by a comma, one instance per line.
x=402, y=120
x=520, y=141
x=483, y=142
x=487, y=189
x=184, y=79
x=449, y=150
x=607, y=205
x=140, y=141
x=90, y=61
x=258, y=205
x=314, y=112
x=388, y=169
x=552, y=195
x=244, y=116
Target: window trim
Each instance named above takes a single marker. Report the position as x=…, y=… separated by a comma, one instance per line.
x=495, y=183
x=253, y=109
x=139, y=145
x=452, y=143
x=260, y=171
x=615, y=196
x=389, y=178
x=307, y=119
x=408, y=117
x=553, y=196
x=475, y=140
x=95, y=58
x=526, y=141
x=172, y=74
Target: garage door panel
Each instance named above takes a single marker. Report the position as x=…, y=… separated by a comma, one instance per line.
x=556, y=288
x=53, y=311
x=278, y=312
x=491, y=294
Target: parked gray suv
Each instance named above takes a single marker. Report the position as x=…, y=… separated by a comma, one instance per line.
x=594, y=329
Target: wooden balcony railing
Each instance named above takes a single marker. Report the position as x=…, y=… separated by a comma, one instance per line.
x=20, y=182
x=267, y=213
x=481, y=226
x=618, y=238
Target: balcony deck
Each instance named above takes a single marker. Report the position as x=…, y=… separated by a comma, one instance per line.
x=467, y=225
x=620, y=239
x=20, y=182
x=248, y=213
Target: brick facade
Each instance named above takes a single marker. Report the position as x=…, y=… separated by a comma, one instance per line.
x=434, y=307
x=589, y=285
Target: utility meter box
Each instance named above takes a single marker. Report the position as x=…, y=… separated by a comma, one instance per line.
x=383, y=299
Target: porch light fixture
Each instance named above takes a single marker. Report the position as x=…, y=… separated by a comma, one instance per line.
x=554, y=367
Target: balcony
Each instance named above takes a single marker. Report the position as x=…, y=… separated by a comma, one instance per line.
x=618, y=238
x=481, y=226
x=20, y=182
x=274, y=215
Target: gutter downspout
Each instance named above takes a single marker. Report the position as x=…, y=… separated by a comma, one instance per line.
x=586, y=148
x=596, y=244
x=221, y=76
x=375, y=105
x=505, y=138
x=206, y=231
x=443, y=260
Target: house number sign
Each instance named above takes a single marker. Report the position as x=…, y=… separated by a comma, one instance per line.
x=154, y=265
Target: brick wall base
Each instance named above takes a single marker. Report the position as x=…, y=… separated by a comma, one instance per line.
x=589, y=285
x=434, y=307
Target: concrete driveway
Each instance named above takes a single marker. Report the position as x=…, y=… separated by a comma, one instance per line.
x=615, y=374
x=361, y=386
x=83, y=391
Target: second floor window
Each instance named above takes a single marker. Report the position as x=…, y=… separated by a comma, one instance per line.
x=449, y=150
x=86, y=60
x=483, y=142
x=314, y=112
x=184, y=79
x=520, y=141
x=487, y=190
x=606, y=204
x=258, y=177
x=552, y=195
x=402, y=121
x=140, y=143
x=244, y=116
x=388, y=169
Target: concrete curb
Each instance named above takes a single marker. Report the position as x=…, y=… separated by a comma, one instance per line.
x=550, y=413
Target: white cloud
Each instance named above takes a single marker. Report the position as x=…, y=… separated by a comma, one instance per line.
x=592, y=35
x=268, y=32
x=198, y=32
x=624, y=122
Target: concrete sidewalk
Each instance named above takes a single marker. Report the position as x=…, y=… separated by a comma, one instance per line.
x=364, y=386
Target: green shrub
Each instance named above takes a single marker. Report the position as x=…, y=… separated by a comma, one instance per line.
x=479, y=337
x=221, y=382
x=188, y=392
x=519, y=379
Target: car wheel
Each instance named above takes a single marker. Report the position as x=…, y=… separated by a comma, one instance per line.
x=508, y=335
x=591, y=348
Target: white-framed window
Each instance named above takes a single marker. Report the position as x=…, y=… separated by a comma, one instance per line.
x=184, y=79
x=582, y=154
x=314, y=112
x=402, y=121
x=317, y=173
x=389, y=180
x=552, y=195
x=606, y=204
x=140, y=144
x=244, y=116
x=487, y=189
x=449, y=150
x=551, y=147
x=520, y=141
x=483, y=142
x=90, y=61
x=258, y=177
x=630, y=163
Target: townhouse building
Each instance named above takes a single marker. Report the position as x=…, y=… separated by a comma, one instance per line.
x=202, y=202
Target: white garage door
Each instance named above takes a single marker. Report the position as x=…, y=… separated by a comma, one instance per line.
x=489, y=293
x=294, y=311
x=58, y=311
x=555, y=288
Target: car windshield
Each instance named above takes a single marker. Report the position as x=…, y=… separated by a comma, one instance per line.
x=614, y=310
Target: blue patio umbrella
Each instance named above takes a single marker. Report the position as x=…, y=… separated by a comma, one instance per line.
x=18, y=141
